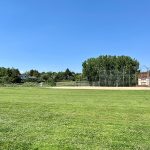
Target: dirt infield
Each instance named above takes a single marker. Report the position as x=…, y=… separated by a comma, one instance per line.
x=103, y=88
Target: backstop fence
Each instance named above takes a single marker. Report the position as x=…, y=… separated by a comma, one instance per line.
x=106, y=79
x=110, y=78
x=115, y=78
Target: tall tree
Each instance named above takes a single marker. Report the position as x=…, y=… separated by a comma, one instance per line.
x=34, y=73
x=111, y=70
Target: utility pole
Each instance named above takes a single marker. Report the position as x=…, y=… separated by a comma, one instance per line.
x=148, y=75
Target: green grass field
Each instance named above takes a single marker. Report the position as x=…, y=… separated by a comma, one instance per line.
x=47, y=119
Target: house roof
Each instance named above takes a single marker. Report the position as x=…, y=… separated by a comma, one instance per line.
x=143, y=75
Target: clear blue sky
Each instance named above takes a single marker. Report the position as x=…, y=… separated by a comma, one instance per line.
x=52, y=35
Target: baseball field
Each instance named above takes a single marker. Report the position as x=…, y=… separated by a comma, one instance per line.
x=70, y=119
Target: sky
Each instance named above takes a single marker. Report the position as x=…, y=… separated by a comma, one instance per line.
x=52, y=35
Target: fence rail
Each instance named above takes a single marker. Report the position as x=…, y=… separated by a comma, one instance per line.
x=73, y=83
x=113, y=78
x=106, y=79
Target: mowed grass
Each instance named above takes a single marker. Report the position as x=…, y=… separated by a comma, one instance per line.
x=47, y=119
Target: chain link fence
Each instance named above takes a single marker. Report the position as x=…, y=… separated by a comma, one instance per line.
x=73, y=83
x=106, y=79
x=115, y=78
x=112, y=78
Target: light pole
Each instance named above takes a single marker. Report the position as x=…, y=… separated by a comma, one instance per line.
x=148, y=74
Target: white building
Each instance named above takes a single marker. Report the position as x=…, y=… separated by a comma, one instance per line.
x=144, y=79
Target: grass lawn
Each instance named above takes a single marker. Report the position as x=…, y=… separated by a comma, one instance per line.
x=47, y=119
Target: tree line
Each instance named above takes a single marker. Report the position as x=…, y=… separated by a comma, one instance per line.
x=9, y=75
x=104, y=70
x=12, y=75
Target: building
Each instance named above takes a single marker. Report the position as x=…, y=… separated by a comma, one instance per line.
x=26, y=77
x=144, y=79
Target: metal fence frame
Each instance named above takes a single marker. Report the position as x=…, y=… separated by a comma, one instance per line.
x=111, y=78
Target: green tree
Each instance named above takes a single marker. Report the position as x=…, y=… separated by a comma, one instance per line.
x=9, y=75
x=111, y=70
x=34, y=73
